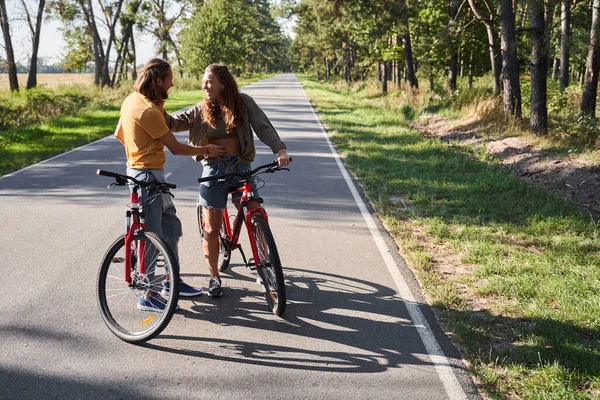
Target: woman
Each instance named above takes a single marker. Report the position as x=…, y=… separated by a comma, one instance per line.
x=225, y=118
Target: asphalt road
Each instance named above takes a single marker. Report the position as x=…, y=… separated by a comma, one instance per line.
x=355, y=325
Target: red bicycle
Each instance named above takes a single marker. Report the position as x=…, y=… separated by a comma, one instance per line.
x=131, y=293
x=265, y=260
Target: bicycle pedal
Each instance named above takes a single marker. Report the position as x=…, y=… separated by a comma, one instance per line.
x=118, y=259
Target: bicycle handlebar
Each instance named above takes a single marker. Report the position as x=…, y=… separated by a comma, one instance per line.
x=272, y=166
x=121, y=180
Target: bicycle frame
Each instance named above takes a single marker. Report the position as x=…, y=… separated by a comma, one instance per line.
x=234, y=232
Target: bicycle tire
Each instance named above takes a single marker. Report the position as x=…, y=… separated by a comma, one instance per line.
x=269, y=266
x=119, y=302
x=224, y=242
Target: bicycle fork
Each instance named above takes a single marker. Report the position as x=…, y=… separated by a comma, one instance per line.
x=134, y=252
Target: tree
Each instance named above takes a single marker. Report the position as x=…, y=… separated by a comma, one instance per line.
x=215, y=33
x=590, y=87
x=83, y=18
x=488, y=20
x=124, y=54
x=565, y=38
x=453, y=53
x=161, y=23
x=408, y=55
x=35, y=40
x=13, y=81
x=112, y=24
x=539, y=67
x=510, y=63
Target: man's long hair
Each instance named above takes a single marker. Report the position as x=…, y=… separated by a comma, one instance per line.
x=148, y=83
x=232, y=101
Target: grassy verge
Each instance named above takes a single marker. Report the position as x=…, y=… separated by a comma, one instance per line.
x=511, y=270
x=23, y=146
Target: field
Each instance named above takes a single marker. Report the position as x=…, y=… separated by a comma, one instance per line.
x=51, y=80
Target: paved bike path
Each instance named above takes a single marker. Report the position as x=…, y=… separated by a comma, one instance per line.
x=348, y=331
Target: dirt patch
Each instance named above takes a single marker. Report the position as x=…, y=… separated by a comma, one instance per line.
x=569, y=177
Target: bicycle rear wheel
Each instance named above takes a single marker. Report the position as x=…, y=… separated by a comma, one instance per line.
x=139, y=311
x=268, y=265
x=224, y=242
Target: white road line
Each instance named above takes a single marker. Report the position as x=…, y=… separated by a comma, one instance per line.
x=439, y=360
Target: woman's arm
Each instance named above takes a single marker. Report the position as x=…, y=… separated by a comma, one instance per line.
x=182, y=121
x=264, y=129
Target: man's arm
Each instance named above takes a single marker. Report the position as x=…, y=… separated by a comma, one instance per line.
x=181, y=149
x=119, y=133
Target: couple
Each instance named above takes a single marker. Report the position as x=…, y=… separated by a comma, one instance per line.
x=220, y=136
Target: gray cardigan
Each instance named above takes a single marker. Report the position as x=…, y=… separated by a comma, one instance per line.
x=253, y=119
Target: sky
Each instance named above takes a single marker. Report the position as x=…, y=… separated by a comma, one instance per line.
x=52, y=46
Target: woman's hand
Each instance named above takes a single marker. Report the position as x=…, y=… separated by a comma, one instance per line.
x=283, y=159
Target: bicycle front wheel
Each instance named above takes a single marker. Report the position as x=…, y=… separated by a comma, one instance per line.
x=268, y=265
x=138, y=311
x=224, y=242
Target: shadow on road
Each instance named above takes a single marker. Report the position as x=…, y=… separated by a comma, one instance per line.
x=367, y=324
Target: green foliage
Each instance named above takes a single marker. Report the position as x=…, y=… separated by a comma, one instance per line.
x=79, y=44
x=37, y=104
x=408, y=112
x=239, y=33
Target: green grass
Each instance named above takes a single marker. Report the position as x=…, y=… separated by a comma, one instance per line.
x=531, y=257
x=22, y=147
x=30, y=144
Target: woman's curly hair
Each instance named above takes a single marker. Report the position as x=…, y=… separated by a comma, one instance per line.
x=232, y=101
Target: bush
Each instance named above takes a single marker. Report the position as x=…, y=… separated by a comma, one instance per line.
x=41, y=103
x=408, y=112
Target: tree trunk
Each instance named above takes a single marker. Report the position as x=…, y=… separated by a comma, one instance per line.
x=555, y=68
x=489, y=26
x=111, y=39
x=493, y=57
x=453, y=64
x=510, y=62
x=327, y=69
x=539, y=69
x=13, y=80
x=590, y=87
x=128, y=33
x=121, y=53
x=549, y=6
x=35, y=41
x=384, y=77
x=133, y=61
x=88, y=12
x=431, y=80
x=470, y=78
x=411, y=77
x=565, y=41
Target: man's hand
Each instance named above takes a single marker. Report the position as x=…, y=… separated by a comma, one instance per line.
x=283, y=158
x=214, y=150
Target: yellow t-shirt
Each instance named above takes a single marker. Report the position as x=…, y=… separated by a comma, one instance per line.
x=143, y=123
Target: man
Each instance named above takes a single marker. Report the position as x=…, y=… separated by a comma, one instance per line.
x=144, y=133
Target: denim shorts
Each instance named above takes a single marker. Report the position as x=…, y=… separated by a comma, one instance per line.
x=213, y=194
